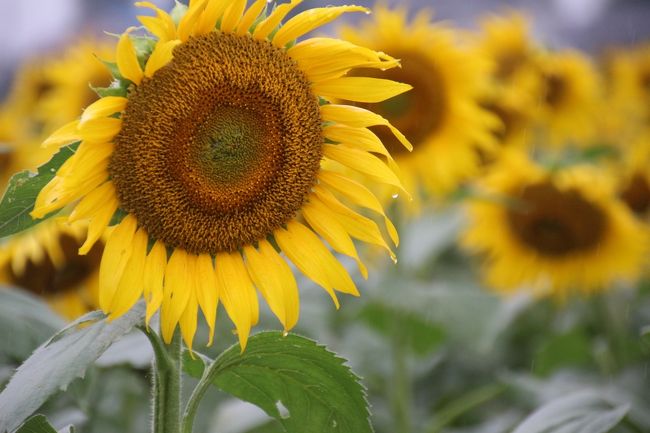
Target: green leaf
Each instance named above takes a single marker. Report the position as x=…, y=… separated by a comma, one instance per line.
x=570, y=349
x=55, y=364
x=420, y=335
x=583, y=411
x=25, y=323
x=23, y=189
x=36, y=424
x=307, y=388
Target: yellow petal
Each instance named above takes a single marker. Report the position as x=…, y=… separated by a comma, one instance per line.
x=207, y=291
x=127, y=59
x=359, y=118
x=236, y=292
x=100, y=130
x=161, y=26
x=99, y=207
x=154, y=272
x=160, y=56
x=265, y=28
x=208, y=19
x=188, y=321
x=359, y=195
x=359, y=138
x=250, y=16
x=363, y=162
x=114, y=259
x=358, y=226
x=325, y=223
x=103, y=107
x=232, y=15
x=129, y=288
x=360, y=89
x=175, y=293
x=308, y=253
x=309, y=20
x=187, y=25
x=273, y=277
x=64, y=135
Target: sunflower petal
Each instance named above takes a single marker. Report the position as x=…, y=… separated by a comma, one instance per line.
x=232, y=15
x=325, y=223
x=207, y=291
x=360, y=195
x=175, y=293
x=116, y=255
x=273, y=277
x=188, y=24
x=360, y=118
x=360, y=89
x=363, y=162
x=100, y=130
x=250, y=16
x=103, y=107
x=208, y=20
x=161, y=26
x=64, y=135
x=160, y=56
x=154, y=272
x=267, y=26
x=309, y=20
x=127, y=59
x=236, y=291
x=129, y=288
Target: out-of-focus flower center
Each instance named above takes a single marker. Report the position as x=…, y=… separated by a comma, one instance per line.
x=555, y=222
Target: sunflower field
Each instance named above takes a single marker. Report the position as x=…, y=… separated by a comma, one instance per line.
x=232, y=216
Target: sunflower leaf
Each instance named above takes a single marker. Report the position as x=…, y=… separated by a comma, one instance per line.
x=18, y=201
x=56, y=363
x=36, y=424
x=301, y=384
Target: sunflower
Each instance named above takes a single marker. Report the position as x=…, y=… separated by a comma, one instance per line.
x=634, y=184
x=628, y=74
x=553, y=231
x=215, y=157
x=506, y=41
x=441, y=116
x=569, y=100
x=44, y=261
x=71, y=78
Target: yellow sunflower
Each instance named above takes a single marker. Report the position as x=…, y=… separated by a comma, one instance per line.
x=70, y=77
x=215, y=157
x=553, y=232
x=505, y=39
x=570, y=98
x=628, y=84
x=634, y=178
x=441, y=116
x=45, y=262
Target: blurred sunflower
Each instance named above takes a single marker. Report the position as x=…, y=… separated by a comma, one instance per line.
x=506, y=41
x=213, y=158
x=553, y=232
x=71, y=78
x=45, y=262
x=569, y=100
x=634, y=185
x=441, y=116
x=515, y=118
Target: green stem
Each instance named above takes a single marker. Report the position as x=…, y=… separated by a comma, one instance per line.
x=464, y=404
x=166, y=374
x=401, y=389
x=197, y=395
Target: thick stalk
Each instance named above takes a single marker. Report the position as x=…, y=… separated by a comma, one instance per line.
x=197, y=395
x=401, y=390
x=167, y=371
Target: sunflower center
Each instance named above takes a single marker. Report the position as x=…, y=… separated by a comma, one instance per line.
x=43, y=278
x=556, y=90
x=637, y=194
x=508, y=63
x=220, y=147
x=556, y=223
x=512, y=121
x=419, y=113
